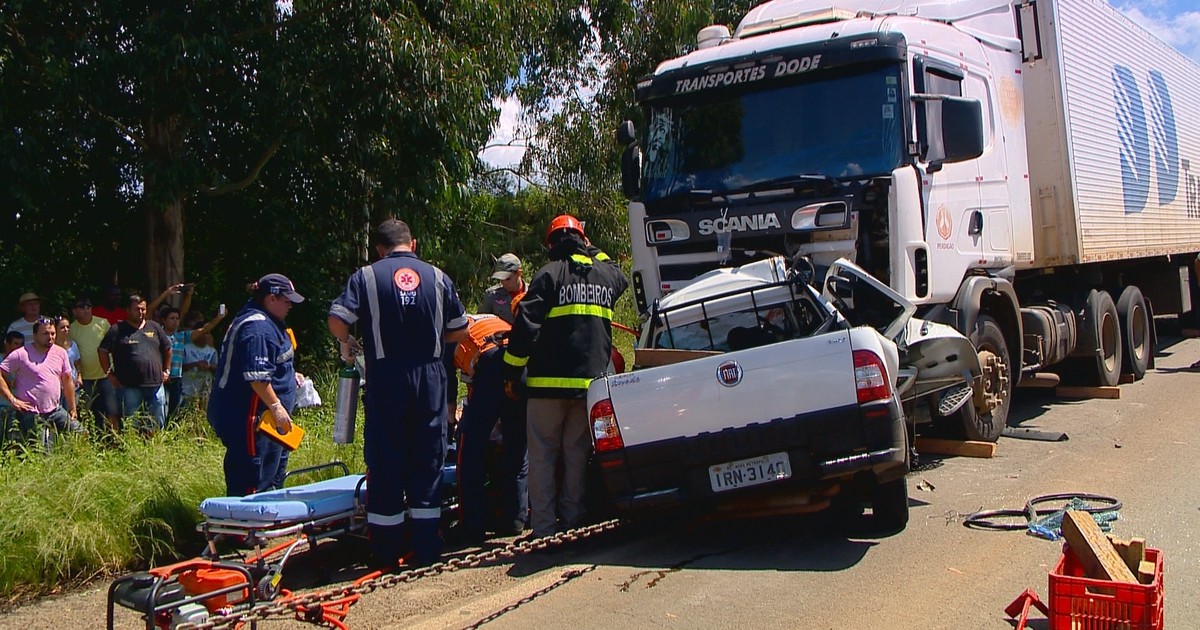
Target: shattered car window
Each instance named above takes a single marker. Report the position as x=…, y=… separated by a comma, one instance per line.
x=743, y=329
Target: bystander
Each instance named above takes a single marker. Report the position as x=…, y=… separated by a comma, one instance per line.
x=42, y=381
x=137, y=353
x=30, y=306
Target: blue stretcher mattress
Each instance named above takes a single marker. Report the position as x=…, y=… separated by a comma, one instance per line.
x=300, y=503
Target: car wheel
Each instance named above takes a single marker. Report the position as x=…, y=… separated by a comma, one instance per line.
x=889, y=503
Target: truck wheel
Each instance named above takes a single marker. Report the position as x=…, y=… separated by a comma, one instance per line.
x=889, y=503
x=1100, y=335
x=1135, y=328
x=986, y=417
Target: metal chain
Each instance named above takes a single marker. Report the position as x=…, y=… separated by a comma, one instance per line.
x=301, y=604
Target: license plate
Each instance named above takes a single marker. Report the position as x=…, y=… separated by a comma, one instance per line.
x=749, y=472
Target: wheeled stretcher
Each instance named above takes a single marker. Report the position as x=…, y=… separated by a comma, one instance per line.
x=268, y=523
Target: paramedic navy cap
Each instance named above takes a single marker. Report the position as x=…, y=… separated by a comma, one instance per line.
x=278, y=284
x=506, y=266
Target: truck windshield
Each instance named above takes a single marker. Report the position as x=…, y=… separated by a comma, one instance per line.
x=837, y=126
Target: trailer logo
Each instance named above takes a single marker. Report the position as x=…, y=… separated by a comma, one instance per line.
x=729, y=373
x=1191, y=185
x=1134, y=131
x=945, y=225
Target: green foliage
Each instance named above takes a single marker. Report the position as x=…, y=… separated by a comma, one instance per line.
x=89, y=509
x=577, y=110
x=275, y=136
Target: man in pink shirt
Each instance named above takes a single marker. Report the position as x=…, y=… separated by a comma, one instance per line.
x=41, y=376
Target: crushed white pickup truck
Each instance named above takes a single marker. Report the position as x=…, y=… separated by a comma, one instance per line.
x=754, y=394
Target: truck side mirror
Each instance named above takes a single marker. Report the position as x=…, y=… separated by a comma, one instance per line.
x=954, y=129
x=626, y=134
x=631, y=161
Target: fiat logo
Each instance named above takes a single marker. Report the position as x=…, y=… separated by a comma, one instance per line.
x=729, y=373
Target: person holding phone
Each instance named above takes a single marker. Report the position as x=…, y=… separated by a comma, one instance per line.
x=180, y=339
x=255, y=372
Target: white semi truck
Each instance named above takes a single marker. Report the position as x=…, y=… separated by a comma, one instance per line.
x=1020, y=171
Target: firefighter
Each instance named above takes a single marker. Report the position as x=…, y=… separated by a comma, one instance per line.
x=408, y=310
x=480, y=359
x=562, y=338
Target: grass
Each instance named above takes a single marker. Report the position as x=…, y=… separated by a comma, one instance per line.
x=90, y=509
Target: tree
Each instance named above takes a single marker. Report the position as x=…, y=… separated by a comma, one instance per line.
x=574, y=109
x=355, y=108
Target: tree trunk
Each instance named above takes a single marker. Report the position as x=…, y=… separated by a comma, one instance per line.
x=164, y=135
x=164, y=246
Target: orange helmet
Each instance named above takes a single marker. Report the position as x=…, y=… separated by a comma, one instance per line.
x=564, y=222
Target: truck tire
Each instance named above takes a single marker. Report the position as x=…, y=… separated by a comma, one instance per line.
x=889, y=505
x=1100, y=337
x=984, y=419
x=1135, y=329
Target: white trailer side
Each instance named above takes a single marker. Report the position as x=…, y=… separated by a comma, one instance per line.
x=1113, y=125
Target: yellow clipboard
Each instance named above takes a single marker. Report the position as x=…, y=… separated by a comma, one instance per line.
x=290, y=440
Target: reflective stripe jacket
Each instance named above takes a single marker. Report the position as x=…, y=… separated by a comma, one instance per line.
x=562, y=334
x=257, y=347
x=404, y=306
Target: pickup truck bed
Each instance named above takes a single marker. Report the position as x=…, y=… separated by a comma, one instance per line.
x=792, y=425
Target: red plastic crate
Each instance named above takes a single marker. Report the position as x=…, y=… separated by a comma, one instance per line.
x=1080, y=603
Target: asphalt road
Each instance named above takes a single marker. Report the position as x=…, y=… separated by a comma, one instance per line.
x=802, y=572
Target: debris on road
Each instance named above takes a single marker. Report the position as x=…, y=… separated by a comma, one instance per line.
x=1022, y=433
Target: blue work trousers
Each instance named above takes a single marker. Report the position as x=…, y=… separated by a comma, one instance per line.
x=404, y=444
x=487, y=404
x=249, y=470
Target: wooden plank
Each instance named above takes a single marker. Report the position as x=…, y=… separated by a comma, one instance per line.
x=1096, y=554
x=1135, y=553
x=1040, y=379
x=653, y=357
x=1145, y=572
x=1189, y=332
x=1107, y=392
x=961, y=448
x=1125, y=379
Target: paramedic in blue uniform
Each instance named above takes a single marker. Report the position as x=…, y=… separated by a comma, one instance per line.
x=255, y=372
x=562, y=338
x=406, y=311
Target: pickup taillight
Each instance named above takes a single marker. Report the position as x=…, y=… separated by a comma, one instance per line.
x=870, y=377
x=605, y=432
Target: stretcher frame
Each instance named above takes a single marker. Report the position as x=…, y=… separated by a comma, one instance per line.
x=261, y=576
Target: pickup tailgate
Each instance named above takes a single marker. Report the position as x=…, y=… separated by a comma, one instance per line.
x=732, y=390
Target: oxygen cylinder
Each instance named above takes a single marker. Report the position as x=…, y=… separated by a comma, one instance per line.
x=346, y=406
